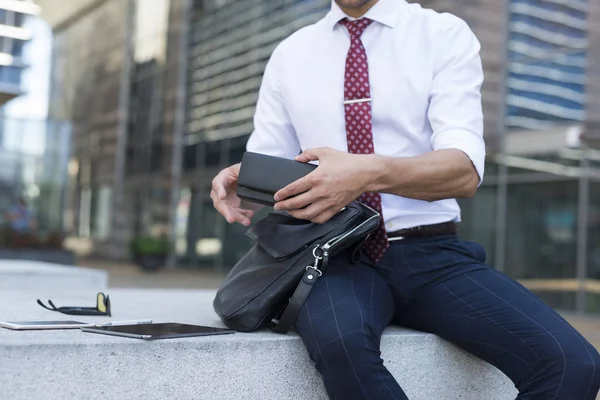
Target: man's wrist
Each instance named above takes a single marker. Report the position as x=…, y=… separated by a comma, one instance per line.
x=376, y=170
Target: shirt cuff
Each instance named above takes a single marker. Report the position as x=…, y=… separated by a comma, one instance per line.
x=474, y=149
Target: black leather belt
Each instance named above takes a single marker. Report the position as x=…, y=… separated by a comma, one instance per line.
x=443, y=228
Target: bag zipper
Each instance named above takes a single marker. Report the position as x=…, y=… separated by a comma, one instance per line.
x=311, y=277
x=335, y=240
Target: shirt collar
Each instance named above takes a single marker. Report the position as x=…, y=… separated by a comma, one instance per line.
x=385, y=12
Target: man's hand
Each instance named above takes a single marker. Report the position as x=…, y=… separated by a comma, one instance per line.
x=339, y=179
x=225, y=200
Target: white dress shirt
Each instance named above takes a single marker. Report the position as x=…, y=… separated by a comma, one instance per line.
x=425, y=76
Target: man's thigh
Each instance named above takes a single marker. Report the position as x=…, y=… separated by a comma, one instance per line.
x=347, y=298
x=343, y=318
x=498, y=320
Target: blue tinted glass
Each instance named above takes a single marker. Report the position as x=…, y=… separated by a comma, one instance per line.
x=547, y=61
x=17, y=48
x=578, y=87
x=11, y=75
x=547, y=99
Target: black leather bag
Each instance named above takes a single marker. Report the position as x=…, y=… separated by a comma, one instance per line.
x=268, y=286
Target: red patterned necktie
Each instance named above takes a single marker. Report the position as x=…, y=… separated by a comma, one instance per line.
x=359, y=129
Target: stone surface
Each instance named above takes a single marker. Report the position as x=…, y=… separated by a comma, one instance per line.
x=71, y=364
x=42, y=277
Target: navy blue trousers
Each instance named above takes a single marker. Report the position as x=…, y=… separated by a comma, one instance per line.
x=440, y=284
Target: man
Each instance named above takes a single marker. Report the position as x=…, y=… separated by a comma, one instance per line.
x=385, y=95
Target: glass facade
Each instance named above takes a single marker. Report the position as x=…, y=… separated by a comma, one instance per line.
x=119, y=95
x=33, y=149
x=33, y=162
x=156, y=112
x=85, y=90
x=146, y=122
x=547, y=53
x=229, y=48
x=13, y=37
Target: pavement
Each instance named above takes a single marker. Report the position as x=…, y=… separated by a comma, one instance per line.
x=128, y=275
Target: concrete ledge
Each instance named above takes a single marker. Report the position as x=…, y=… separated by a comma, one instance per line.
x=62, y=257
x=44, y=277
x=73, y=364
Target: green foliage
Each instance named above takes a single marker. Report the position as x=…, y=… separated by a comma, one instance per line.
x=147, y=245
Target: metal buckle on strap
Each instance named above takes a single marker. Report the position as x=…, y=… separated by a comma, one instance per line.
x=357, y=101
x=314, y=267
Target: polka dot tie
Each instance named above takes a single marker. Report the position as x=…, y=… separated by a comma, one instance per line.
x=359, y=130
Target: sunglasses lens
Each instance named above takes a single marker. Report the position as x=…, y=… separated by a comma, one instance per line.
x=101, y=303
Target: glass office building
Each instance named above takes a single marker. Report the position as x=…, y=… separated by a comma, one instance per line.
x=536, y=212
x=117, y=79
x=547, y=52
x=13, y=36
x=33, y=150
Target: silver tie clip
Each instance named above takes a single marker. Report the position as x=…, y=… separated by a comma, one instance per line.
x=357, y=101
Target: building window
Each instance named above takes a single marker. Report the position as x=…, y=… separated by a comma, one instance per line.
x=547, y=61
x=102, y=213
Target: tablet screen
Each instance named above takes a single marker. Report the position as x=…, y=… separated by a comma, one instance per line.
x=164, y=329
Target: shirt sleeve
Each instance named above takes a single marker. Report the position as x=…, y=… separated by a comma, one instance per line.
x=273, y=132
x=455, y=109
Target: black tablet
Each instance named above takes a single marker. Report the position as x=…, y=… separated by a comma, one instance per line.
x=167, y=330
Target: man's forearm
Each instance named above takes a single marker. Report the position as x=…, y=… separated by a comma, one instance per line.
x=436, y=175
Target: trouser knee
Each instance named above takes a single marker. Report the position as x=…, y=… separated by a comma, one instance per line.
x=568, y=371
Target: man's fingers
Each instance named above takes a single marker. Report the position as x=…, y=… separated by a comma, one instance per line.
x=220, y=190
x=296, y=202
x=220, y=182
x=232, y=215
x=310, y=155
x=246, y=213
x=222, y=207
x=318, y=212
x=300, y=186
x=223, y=182
x=241, y=219
x=308, y=213
x=323, y=217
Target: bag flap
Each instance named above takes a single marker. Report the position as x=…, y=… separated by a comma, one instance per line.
x=282, y=235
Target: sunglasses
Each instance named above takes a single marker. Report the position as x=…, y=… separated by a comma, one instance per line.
x=102, y=307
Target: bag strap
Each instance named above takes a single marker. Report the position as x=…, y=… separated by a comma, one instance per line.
x=290, y=314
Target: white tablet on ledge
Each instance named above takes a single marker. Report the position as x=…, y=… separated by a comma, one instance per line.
x=38, y=325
